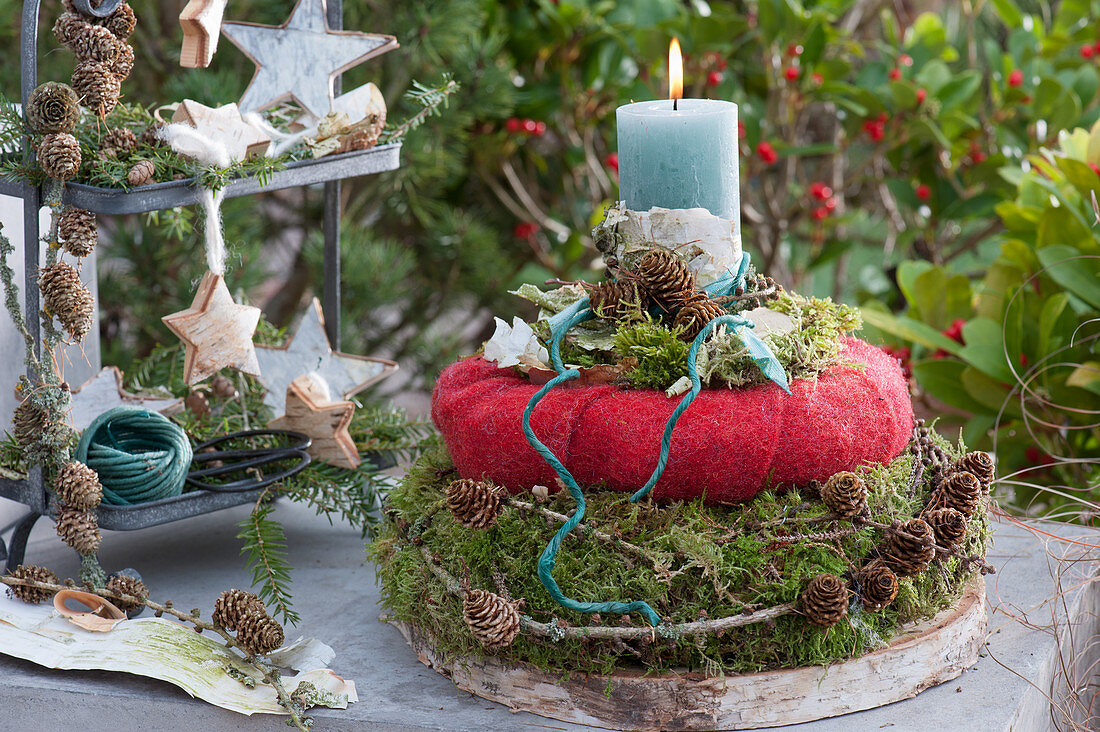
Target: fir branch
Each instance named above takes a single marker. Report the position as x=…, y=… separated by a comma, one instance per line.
x=431, y=99
x=265, y=546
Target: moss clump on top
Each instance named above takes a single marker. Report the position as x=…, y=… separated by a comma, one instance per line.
x=699, y=560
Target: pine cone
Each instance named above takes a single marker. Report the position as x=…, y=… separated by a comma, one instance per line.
x=29, y=421
x=32, y=595
x=53, y=107
x=142, y=173
x=123, y=584
x=960, y=491
x=474, y=503
x=122, y=22
x=78, y=232
x=67, y=299
x=494, y=621
x=97, y=86
x=123, y=65
x=980, y=465
x=79, y=529
x=845, y=494
x=259, y=633
x=909, y=547
x=149, y=135
x=666, y=277
x=824, y=601
x=878, y=585
x=948, y=525
x=95, y=43
x=223, y=387
x=232, y=605
x=695, y=314
x=68, y=27
x=616, y=300
x=77, y=486
x=121, y=139
x=58, y=155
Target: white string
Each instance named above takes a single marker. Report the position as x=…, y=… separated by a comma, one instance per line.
x=188, y=141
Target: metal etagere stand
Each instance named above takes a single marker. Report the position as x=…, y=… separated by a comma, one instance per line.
x=330, y=170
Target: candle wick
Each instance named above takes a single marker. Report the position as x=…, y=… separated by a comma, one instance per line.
x=674, y=102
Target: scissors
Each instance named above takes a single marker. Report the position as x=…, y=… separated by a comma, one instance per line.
x=244, y=460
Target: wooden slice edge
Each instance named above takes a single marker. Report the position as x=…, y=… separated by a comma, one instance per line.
x=923, y=655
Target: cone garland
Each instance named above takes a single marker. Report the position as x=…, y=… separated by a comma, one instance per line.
x=666, y=277
x=695, y=314
x=980, y=465
x=619, y=300
x=232, y=605
x=68, y=26
x=493, y=620
x=475, y=504
x=79, y=529
x=933, y=458
x=123, y=65
x=960, y=491
x=32, y=595
x=878, y=585
x=94, y=43
x=53, y=107
x=132, y=587
x=78, y=486
x=845, y=494
x=67, y=299
x=948, y=525
x=909, y=547
x=824, y=601
x=259, y=633
x=77, y=230
x=29, y=421
x=97, y=86
x=121, y=22
x=58, y=155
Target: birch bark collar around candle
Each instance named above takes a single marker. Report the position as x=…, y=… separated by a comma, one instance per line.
x=683, y=158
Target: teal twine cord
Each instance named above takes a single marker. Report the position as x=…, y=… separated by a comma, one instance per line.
x=140, y=456
x=579, y=313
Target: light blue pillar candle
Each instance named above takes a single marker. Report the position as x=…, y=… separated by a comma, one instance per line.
x=682, y=158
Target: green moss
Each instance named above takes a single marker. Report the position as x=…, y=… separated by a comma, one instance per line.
x=661, y=353
x=713, y=560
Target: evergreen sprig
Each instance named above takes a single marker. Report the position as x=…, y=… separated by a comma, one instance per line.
x=432, y=100
x=265, y=547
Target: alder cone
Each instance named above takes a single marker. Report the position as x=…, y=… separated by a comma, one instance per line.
x=618, y=300
x=79, y=529
x=980, y=465
x=259, y=633
x=845, y=494
x=232, y=605
x=948, y=525
x=78, y=231
x=475, y=504
x=67, y=299
x=695, y=314
x=134, y=590
x=58, y=155
x=32, y=595
x=53, y=107
x=666, y=277
x=909, y=547
x=824, y=601
x=97, y=86
x=122, y=22
x=878, y=586
x=78, y=486
x=494, y=621
x=960, y=491
x=142, y=173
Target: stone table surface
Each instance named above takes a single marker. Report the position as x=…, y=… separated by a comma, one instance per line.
x=334, y=587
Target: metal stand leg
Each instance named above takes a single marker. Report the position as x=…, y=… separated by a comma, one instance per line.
x=18, y=547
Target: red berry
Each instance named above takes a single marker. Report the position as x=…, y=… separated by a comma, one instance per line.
x=924, y=192
x=977, y=156
x=513, y=125
x=830, y=203
x=767, y=153
x=1087, y=51
x=723, y=64
x=820, y=213
x=820, y=191
x=529, y=126
x=540, y=129
x=714, y=78
x=741, y=131
x=905, y=59
x=955, y=330
x=612, y=161
x=818, y=79
x=895, y=74
x=1016, y=78
x=876, y=130
x=1095, y=168
x=922, y=94
x=794, y=50
x=882, y=117
x=525, y=229
x=791, y=72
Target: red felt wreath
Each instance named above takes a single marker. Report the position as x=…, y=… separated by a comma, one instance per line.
x=729, y=445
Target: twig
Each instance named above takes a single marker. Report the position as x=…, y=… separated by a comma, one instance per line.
x=270, y=675
x=942, y=551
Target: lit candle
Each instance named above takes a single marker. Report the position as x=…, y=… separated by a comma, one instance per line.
x=679, y=153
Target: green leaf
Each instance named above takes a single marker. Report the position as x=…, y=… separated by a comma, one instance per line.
x=1086, y=376
x=1078, y=274
x=960, y=89
x=1056, y=323
x=984, y=348
x=910, y=330
x=942, y=378
x=989, y=392
x=813, y=45
x=1009, y=12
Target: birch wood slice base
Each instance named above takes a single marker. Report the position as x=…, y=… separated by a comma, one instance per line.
x=923, y=655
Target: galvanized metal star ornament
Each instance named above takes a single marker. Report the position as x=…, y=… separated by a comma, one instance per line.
x=105, y=391
x=301, y=59
x=308, y=350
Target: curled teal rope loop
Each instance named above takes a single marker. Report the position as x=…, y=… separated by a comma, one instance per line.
x=561, y=324
x=140, y=456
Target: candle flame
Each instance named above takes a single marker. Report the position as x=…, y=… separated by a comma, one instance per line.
x=675, y=71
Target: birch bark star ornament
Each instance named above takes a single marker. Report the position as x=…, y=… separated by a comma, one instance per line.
x=216, y=332
x=301, y=59
x=311, y=410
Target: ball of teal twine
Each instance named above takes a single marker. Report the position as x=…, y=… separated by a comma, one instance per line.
x=140, y=456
